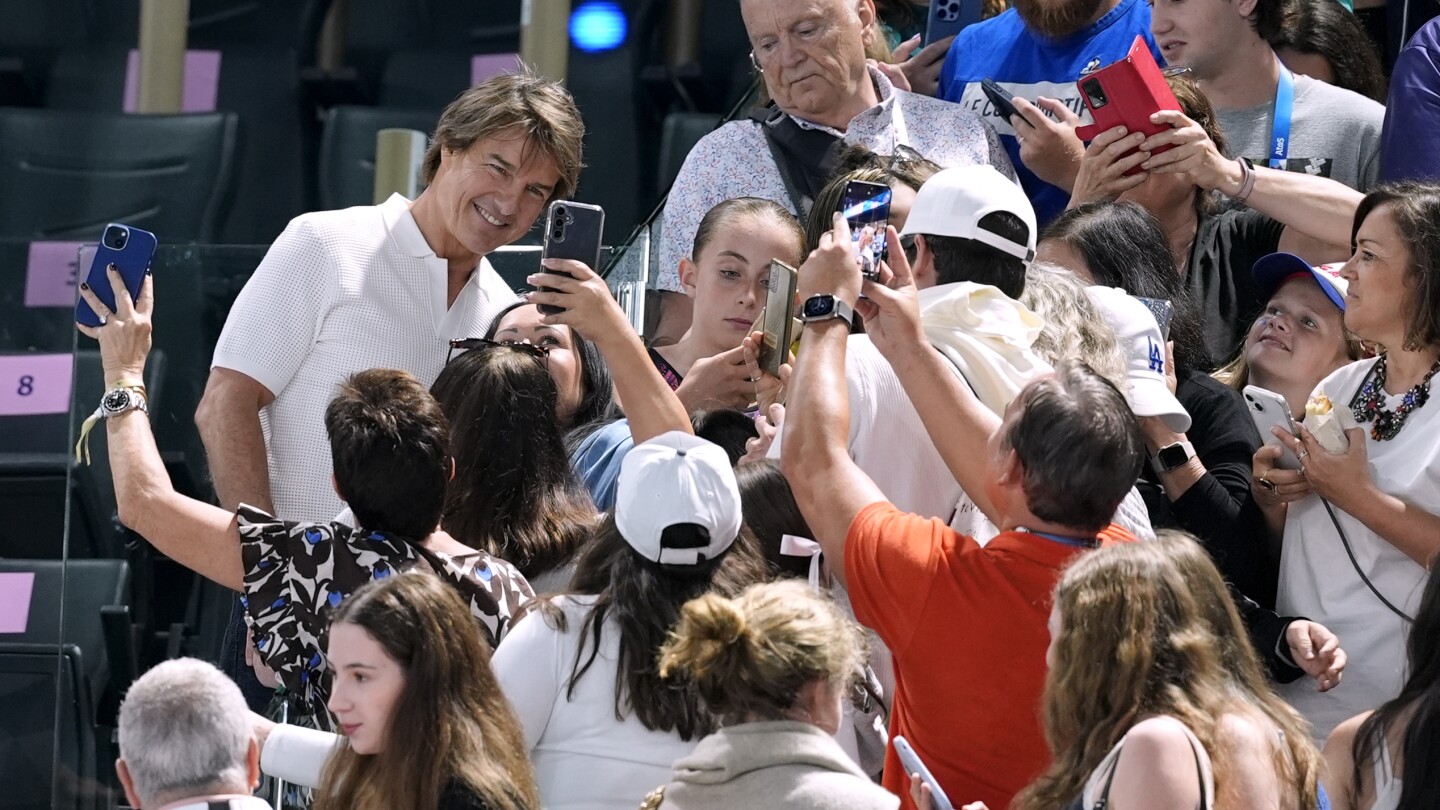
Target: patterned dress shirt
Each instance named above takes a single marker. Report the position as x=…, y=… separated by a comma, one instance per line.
x=735, y=161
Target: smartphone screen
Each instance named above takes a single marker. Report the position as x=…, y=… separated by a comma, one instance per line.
x=866, y=207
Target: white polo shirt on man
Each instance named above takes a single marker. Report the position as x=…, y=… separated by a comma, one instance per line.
x=341, y=292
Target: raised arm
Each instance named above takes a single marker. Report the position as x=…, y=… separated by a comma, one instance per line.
x=197, y=535
x=829, y=488
x=958, y=423
x=590, y=309
x=1317, y=212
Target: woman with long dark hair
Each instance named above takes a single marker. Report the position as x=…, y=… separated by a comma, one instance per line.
x=601, y=725
x=1326, y=41
x=1120, y=244
x=515, y=493
x=426, y=724
x=1385, y=759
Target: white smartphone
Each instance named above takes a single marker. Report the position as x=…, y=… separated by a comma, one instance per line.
x=1268, y=409
x=912, y=763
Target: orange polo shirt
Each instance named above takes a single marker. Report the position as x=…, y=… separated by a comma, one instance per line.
x=967, y=628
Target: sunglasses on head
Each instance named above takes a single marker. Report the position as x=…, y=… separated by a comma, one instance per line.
x=540, y=353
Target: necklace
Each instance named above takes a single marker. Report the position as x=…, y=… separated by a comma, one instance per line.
x=1369, y=404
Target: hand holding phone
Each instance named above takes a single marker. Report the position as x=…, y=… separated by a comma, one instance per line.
x=1003, y=100
x=572, y=231
x=778, y=319
x=866, y=208
x=1125, y=94
x=1270, y=410
x=912, y=764
x=130, y=250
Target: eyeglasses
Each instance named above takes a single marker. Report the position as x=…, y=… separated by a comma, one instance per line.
x=540, y=353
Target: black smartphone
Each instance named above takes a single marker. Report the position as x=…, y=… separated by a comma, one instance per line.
x=1001, y=99
x=572, y=231
x=778, y=319
x=130, y=250
x=947, y=17
x=866, y=206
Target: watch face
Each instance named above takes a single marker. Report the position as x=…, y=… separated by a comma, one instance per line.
x=1172, y=456
x=818, y=306
x=116, y=400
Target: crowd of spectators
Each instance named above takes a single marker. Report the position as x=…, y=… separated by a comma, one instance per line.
x=1012, y=499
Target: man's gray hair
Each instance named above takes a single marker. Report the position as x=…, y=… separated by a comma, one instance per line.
x=184, y=729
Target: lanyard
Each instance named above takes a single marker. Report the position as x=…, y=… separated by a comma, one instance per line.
x=1280, y=128
x=1079, y=542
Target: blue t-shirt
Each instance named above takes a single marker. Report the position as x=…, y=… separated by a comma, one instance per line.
x=598, y=458
x=1001, y=48
x=1410, y=142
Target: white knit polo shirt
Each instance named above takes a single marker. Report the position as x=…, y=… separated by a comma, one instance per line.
x=341, y=292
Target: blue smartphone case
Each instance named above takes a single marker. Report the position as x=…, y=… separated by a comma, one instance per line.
x=133, y=259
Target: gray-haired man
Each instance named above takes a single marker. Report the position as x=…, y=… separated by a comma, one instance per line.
x=186, y=741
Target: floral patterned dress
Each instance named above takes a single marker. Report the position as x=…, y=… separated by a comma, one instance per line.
x=296, y=574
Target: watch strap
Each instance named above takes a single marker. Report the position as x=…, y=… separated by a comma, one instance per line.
x=137, y=402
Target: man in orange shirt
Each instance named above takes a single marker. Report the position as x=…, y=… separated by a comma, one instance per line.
x=966, y=623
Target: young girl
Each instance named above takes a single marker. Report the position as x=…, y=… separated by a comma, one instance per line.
x=728, y=275
x=425, y=722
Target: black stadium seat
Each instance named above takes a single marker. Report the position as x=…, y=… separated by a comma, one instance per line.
x=63, y=175
x=347, y=150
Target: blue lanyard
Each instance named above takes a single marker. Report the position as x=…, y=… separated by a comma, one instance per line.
x=1280, y=129
x=1079, y=542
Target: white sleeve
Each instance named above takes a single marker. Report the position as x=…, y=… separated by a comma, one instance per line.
x=531, y=666
x=276, y=318
x=297, y=755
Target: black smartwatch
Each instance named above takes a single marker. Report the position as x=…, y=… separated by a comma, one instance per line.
x=1172, y=457
x=823, y=307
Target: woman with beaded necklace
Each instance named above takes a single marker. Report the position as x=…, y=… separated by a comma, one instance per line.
x=1363, y=526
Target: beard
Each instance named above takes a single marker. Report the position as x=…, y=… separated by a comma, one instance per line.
x=1056, y=19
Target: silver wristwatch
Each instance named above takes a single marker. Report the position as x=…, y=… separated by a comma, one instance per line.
x=119, y=400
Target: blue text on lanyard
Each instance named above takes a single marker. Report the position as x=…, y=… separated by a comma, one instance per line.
x=1280, y=128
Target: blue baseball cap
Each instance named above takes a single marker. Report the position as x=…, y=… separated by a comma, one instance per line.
x=1272, y=271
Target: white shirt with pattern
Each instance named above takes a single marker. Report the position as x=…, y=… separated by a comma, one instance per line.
x=735, y=161
x=340, y=292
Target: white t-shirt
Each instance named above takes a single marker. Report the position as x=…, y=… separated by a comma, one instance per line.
x=584, y=758
x=1318, y=581
x=341, y=292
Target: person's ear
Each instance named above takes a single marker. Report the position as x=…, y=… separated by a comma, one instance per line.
x=335, y=484
x=452, y=468
x=688, y=273
x=1011, y=472
x=865, y=10
x=252, y=764
x=1246, y=8
x=924, y=267
x=127, y=783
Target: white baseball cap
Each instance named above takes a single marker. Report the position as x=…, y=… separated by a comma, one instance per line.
x=953, y=201
x=1144, y=351
x=672, y=479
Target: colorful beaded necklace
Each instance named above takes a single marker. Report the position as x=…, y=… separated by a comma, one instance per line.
x=1369, y=404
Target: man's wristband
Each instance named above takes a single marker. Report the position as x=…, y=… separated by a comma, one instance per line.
x=1247, y=180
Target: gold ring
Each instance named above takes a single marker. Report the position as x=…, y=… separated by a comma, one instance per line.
x=1266, y=482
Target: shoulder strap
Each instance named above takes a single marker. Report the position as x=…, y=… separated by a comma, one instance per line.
x=804, y=157
x=1104, y=800
x=1206, y=786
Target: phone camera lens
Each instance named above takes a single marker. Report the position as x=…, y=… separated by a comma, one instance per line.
x=1094, y=92
x=115, y=238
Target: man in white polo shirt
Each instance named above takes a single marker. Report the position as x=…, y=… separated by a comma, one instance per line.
x=378, y=286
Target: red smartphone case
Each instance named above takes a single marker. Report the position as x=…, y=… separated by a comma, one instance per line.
x=1134, y=90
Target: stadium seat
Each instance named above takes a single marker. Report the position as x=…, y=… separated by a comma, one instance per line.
x=71, y=664
x=63, y=175
x=678, y=136
x=347, y=150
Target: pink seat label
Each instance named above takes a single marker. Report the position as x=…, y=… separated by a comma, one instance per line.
x=34, y=384
x=202, y=82
x=15, y=590
x=489, y=65
x=51, y=273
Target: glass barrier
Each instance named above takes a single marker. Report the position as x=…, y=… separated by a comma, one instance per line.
x=47, y=744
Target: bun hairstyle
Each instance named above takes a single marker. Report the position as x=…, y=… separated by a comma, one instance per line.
x=749, y=656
